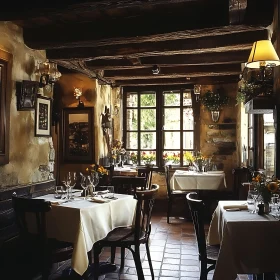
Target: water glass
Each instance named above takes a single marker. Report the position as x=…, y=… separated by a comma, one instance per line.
x=58, y=192
x=250, y=197
x=111, y=191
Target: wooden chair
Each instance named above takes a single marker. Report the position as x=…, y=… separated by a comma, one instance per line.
x=172, y=195
x=45, y=250
x=147, y=172
x=207, y=254
x=131, y=237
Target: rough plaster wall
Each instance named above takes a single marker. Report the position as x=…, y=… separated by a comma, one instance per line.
x=94, y=95
x=25, y=166
x=208, y=136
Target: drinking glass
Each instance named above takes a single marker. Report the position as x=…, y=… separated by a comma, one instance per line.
x=84, y=185
x=274, y=202
x=250, y=198
x=111, y=191
x=58, y=192
x=72, y=179
x=254, y=194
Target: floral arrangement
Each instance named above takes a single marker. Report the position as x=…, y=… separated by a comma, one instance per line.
x=148, y=157
x=97, y=169
x=134, y=157
x=199, y=160
x=117, y=149
x=265, y=187
x=173, y=157
x=188, y=156
x=214, y=101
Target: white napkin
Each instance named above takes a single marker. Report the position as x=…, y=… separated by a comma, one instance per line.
x=236, y=207
x=98, y=199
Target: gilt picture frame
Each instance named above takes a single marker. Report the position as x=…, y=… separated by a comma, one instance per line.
x=78, y=135
x=43, y=116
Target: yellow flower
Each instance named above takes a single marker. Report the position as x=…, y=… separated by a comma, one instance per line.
x=272, y=186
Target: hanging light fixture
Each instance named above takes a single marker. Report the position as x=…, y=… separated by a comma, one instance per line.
x=197, y=90
x=47, y=73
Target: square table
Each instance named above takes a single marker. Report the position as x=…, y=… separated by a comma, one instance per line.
x=190, y=180
x=249, y=243
x=83, y=222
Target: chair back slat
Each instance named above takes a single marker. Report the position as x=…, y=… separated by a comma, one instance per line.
x=145, y=203
x=146, y=172
x=197, y=212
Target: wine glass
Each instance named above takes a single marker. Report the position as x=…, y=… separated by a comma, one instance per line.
x=254, y=193
x=84, y=185
x=72, y=179
x=93, y=180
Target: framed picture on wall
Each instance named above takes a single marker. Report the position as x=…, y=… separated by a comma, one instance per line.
x=78, y=135
x=26, y=92
x=43, y=116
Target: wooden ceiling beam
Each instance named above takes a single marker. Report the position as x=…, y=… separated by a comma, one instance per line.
x=230, y=41
x=238, y=56
x=199, y=80
x=176, y=71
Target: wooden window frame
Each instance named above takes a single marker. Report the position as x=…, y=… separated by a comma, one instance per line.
x=159, y=90
x=5, y=100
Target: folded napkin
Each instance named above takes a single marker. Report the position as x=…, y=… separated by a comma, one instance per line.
x=56, y=202
x=236, y=207
x=98, y=199
x=103, y=192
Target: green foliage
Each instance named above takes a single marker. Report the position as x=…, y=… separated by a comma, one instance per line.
x=213, y=101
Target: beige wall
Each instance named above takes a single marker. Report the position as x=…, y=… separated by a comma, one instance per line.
x=29, y=155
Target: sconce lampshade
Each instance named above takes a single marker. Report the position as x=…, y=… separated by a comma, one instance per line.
x=262, y=54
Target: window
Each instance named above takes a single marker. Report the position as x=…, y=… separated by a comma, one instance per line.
x=160, y=124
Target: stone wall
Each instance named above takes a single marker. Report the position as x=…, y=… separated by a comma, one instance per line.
x=29, y=155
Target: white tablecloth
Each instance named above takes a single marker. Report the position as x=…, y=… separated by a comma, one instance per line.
x=249, y=242
x=188, y=180
x=83, y=223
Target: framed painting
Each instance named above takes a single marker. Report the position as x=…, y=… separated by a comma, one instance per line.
x=43, y=116
x=26, y=95
x=78, y=135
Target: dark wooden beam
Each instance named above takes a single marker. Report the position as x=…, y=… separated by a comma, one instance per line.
x=230, y=41
x=176, y=71
x=161, y=81
x=237, y=56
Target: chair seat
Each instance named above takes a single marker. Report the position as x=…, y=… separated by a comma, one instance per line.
x=212, y=252
x=123, y=234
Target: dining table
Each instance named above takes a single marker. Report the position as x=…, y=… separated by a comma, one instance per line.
x=85, y=221
x=192, y=180
x=249, y=242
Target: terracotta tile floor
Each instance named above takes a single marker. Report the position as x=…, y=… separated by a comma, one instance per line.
x=173, y=251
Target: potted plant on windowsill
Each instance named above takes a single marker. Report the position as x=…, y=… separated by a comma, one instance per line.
x=214, y=101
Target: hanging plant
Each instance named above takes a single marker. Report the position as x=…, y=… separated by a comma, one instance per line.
x=214, y=101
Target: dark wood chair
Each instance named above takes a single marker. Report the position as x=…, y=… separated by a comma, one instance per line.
x=207, y=254
x=37, y=245
x=172, y=195
x=131, y=237
x=147, y=172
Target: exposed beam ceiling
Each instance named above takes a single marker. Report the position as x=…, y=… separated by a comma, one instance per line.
x=118, y=42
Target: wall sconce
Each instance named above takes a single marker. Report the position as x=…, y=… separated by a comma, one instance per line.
x=106, y=123
x=47, y=72
x=78, y=93
x=196, y=91
x=262, y=55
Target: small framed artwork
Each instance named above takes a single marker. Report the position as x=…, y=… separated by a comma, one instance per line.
x=26, y=95
x=43, y=116
x=78, y=135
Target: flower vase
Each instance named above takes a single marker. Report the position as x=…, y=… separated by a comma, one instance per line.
x=215, y=115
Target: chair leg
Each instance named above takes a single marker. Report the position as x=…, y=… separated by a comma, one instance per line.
x=96, y=251
x=169, y=209
x=122, y=257
x=150, y=260
x=203, y=270
x=138, y=265
x=113, y=253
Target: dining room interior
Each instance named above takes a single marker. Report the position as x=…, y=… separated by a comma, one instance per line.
x=161, y=97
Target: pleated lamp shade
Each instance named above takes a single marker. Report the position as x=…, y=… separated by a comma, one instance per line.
x=262, y=54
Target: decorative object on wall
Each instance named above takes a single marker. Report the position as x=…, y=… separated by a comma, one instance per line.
x=155, y=70
x=106, y=120
x=214, y=103
x=78, y=135
x=43, y=116
x=6, y=60
x=26, y=92
x=196, y=91
x=47, y=72
x=78, y=93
